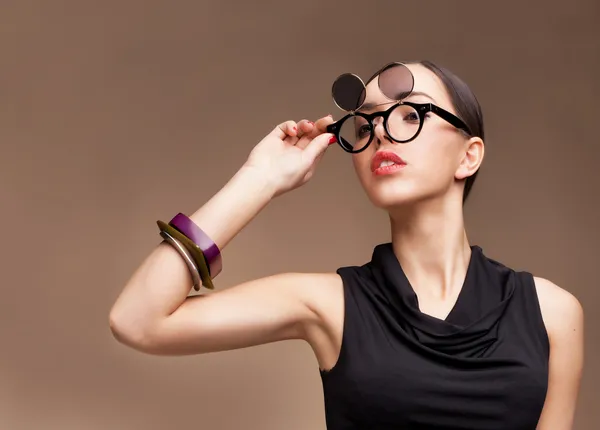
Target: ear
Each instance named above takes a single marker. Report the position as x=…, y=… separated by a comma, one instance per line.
x=472, y=157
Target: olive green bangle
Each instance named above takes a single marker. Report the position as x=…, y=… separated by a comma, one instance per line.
x=193, y=249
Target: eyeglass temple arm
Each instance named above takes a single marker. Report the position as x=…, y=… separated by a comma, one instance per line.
x=451, y=118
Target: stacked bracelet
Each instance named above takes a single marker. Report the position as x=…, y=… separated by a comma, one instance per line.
x=196, y=281
x=204, y=253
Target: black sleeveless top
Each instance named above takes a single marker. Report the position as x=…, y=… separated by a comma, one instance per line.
x=484, y=367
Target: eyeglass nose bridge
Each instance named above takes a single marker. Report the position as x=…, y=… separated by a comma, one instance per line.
x=379, y=119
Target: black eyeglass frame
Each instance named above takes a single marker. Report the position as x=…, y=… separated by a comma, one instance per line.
x=421, y=108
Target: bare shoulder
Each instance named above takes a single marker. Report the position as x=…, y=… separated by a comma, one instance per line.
x=563, y=317
x=561, y=311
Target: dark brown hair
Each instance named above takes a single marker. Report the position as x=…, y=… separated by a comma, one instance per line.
x=465, y=104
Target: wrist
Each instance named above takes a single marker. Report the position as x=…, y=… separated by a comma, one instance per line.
x=256, y=180
x=235, y=205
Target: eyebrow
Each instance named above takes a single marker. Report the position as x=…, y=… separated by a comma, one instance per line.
x=367, y=106
x=421, y=93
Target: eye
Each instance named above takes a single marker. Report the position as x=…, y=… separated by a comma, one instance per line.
x=363, y=130
x=411, y=116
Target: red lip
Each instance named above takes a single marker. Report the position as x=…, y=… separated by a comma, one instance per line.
x=386, y=156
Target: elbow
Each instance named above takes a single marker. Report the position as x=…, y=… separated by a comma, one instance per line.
x=133, y=332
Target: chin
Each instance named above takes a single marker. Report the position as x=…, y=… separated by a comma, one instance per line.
x=393, y=194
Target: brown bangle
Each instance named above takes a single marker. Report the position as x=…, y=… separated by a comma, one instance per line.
x=187, y=258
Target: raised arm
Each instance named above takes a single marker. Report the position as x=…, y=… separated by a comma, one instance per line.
x=154, y=314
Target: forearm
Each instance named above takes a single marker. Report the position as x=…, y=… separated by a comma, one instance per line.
x=162, y=282
x=234, y=206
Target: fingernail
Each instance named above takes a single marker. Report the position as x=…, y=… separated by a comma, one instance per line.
x=332, y=140
x=294, y=129
x=311, y=123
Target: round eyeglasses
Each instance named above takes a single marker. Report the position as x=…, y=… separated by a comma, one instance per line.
x=402, y=122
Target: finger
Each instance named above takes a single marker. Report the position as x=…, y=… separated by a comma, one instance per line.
x=322, y=123
x=314, y=164
x=306, y=133
x=320, y=126
x=304, y=141
x=285, y=129
x=321, y=155
x=304, y=127
x=318, y=146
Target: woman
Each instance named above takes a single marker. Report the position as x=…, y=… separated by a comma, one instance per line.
x=430, y=333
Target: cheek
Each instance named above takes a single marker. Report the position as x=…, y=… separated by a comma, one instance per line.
x=435, y=158
x=361, y=162
x=429, y=159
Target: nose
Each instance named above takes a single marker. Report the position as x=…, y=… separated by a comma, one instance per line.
x=379, y=133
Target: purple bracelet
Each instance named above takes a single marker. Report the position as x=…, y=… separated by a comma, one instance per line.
x=210, y=249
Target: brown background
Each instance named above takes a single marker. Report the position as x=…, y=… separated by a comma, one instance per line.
x=116, y=114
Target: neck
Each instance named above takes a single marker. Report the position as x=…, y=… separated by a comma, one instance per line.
x=431, y=245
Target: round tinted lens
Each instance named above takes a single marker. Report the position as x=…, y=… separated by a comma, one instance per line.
x=403, y=123
x=355, y=133
x=348, y=92
x=396, y=81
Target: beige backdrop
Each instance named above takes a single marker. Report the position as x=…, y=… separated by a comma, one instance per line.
x=115, y=114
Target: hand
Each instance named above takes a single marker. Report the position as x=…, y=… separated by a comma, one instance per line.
x=289, y=154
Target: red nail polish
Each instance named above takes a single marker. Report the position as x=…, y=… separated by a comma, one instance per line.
x=332, y=140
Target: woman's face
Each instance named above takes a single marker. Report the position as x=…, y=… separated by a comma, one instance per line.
x=434, y=163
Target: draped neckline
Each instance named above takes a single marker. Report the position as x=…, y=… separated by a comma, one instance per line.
x=470, y=326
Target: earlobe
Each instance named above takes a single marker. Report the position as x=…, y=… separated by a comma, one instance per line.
x=472, y=158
